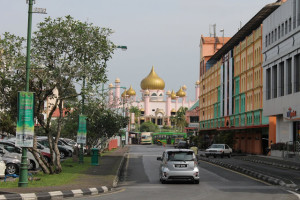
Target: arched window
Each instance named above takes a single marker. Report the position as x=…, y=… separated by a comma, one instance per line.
x=154, y=95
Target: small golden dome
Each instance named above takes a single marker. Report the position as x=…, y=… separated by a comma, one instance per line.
x=184, y=87
x=197, y=82
x=110, y=85
x=173, y=95
x=180, y=93
x=147, y=92
x=131, y=92
x=152, y=82
x=173, y=110
x=142, y=109
x=117, y=80
x=124, y=94
x=168, y=92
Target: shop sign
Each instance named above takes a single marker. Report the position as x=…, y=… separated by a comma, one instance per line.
x=290, y=113
x=25, y=122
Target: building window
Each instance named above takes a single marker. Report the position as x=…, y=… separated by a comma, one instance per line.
x=269, y=42
x=297, y=73
x=289, y=76
x=203, y=100
x=274, y=85
x=268, y=81
x=266, y=40
x=286, y=27
x=281, y=78
x=298, y=13
x=278, y=32
x=294, y=14
x=194, y=119
x=275, y=34
x=282, y=29
x=290, y=24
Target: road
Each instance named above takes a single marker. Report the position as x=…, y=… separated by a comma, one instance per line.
x=140, y=181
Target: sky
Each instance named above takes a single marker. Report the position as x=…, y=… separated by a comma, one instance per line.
x=160, y=33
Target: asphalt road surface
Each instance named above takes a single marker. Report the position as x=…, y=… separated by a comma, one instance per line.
x=140, y=180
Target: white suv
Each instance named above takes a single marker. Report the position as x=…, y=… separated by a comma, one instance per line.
x=218, y=150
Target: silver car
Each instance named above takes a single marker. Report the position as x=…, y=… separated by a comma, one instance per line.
x=178, y=165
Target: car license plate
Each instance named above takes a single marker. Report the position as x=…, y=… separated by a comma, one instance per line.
x=180, y=165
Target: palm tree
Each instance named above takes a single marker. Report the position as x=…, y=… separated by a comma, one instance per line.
x=179, y=118
x=136, y=111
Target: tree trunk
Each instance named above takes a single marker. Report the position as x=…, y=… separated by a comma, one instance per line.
x=39, y=157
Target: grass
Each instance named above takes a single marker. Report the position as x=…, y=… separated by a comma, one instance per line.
x=71, y=171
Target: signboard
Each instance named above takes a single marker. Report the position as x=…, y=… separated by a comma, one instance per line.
x=25, y=123
x=123, y=137
x=290, y=113
x=81, y=133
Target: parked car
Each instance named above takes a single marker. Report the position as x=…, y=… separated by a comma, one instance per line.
x=182, y=145
x=218, y=150
x=178, y=165
x=12, y=161
x=10, y=146
x=64, y=152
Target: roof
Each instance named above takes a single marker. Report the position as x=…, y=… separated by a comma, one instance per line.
x=246, y=30
x=213, y=40
x=195, y=105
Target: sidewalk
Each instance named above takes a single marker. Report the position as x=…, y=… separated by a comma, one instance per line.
x=105, y=174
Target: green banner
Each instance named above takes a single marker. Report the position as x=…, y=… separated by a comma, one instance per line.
x=25, y=123
x=81, y=133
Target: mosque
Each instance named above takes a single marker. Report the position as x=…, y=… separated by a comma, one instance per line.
x=155, y=104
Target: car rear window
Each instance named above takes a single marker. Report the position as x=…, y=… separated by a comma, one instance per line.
x=180, y=156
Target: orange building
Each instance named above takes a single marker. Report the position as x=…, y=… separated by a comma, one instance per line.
x=230, y=98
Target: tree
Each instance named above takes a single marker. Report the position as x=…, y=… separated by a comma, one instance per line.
x=64, y=52
x=148, y=127
x=179, y=118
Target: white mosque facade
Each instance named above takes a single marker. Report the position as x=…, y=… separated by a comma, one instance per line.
x=155, y=104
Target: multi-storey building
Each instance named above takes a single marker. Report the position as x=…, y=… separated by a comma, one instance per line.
x=281, y=67
x=231, y=91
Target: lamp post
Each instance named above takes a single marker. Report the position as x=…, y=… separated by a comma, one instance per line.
x=23, y=180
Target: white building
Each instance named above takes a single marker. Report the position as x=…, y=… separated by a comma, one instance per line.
x=281, y=70
x=155, y=105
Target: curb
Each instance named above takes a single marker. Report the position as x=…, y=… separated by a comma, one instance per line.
x=116, y=179
x=257, y=175
x=271, y=163
x=56, y=194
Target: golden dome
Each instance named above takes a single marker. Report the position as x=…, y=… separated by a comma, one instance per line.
x=142, y=109
x=168, y=92
x=180, y=93
x=173, y=110
x=147, y=92
x=197, y=82
x=152, y=82
x=131, y=92
x=110, y=85
x=173, y=95
x=124, y=94
x=184, y=87
x=117, y=80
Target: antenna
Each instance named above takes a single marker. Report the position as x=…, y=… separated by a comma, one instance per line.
x=212, y=30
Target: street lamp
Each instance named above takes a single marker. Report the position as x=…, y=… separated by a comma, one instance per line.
x=23, y=180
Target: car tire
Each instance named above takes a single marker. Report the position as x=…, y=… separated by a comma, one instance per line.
x=215, y=156
x=11, y=169
x=196, y=181
x=229, y=155
x=222, y=156
x=31, y=165
x=62, y=155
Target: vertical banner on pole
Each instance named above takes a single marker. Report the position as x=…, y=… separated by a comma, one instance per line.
x=25, y=122
x=81, y=133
